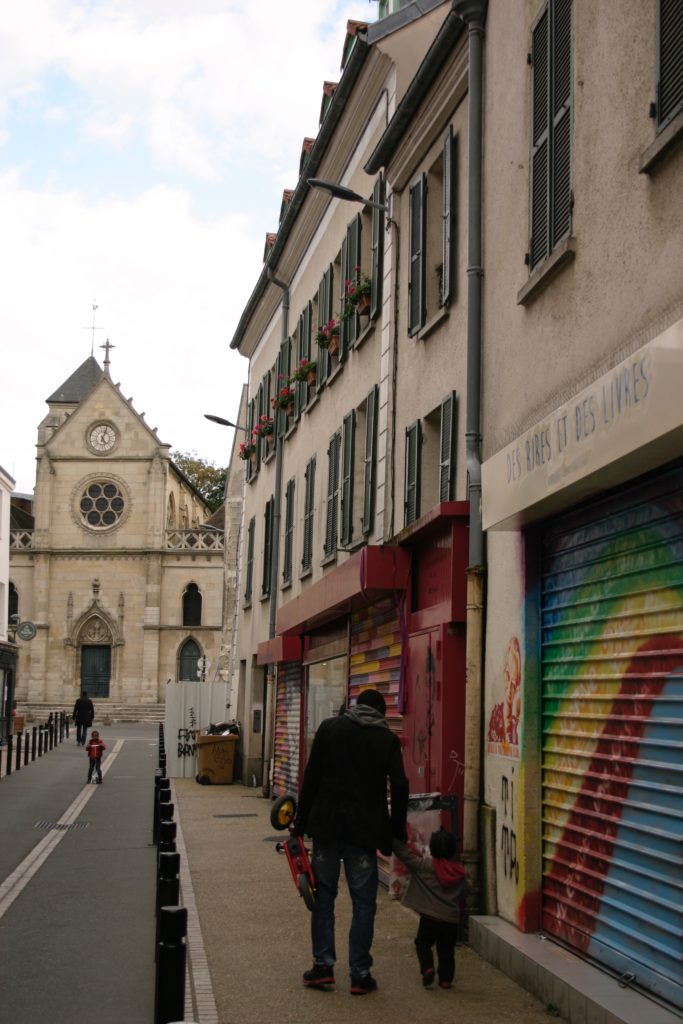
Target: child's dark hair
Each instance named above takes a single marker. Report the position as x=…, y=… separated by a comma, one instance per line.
x=442, y=844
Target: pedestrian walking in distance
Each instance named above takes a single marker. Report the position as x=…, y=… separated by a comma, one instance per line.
x=436, y=887
x=343, y=806
x=84, y=716
x=95, y=750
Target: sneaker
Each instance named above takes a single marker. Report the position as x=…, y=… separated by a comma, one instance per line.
x=445, y=984
x=99, y=782
x=362, y=984
x=428, y=977
x=319, y=976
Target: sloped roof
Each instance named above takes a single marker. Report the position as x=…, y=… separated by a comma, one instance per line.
x=76, y=387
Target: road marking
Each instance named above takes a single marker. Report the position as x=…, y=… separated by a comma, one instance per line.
x=15, y=883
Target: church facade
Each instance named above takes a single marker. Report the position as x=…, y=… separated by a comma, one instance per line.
x=121, y=574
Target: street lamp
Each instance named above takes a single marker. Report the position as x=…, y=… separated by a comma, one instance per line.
x=342, y=192
x=223, y=423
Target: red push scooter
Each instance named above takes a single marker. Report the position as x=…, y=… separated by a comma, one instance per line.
x=282, y=817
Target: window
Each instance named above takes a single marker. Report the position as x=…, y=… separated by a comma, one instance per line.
x=447, y=448
x=101, y=505
x=188, y=660
x=551, y=111
x=283, y=371
x=325, y=314
x=431, y=474
x=264, y=410
x=332, y=506
x=303, y=354
x=669, y=63
x=309, y=508
x=170, y=514
x=192, y=606
x=370, y=459
x=348, y=461
x=250, y=426
x=249, y=575
x=377, y=249
x=289, y=533
x=13, y=604
x=350, y=259
x=413, y=470
x=267, y=546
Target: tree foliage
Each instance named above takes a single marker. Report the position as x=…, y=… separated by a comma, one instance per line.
x=207, y=477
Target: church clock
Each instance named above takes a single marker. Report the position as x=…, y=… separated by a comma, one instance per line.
x=102, y=438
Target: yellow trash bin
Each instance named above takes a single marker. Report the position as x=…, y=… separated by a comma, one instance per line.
x=216, y=759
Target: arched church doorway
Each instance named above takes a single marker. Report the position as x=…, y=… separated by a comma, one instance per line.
x=189, y=656
x=95, y=669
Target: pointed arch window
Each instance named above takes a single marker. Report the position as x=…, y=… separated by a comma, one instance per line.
x=13, y=604
x=187, y=662
x=192, y=606
x=170, y=515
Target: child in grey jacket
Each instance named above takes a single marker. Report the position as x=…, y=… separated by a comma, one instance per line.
x=436, y=886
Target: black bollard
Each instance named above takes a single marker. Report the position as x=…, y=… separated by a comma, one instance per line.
x=8, y=765
x=25, y=749
x=167, y=835
x=168, y=890
x=17, y=765
x=51, y=732
x=166, y=812
x=34, y=742
x=169, y=996
x=66, y=725
x=162, y=795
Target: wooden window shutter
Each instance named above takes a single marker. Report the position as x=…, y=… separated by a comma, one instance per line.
x=283, y=371
x=265, y=411
x=670, y=64
x=267, y=546
x=299, y=386
x=251, y=530
x=354, y=237
x=450, y=201
x=413, y=461
x=447, y=448
x=540, y=142
x=416, y=273
x=258, y=412
x=248, y=436
x=321, y=354
x=309, y=508
x=348, y=452
x=370, y=459
x=344, y=328
x=377, y=250
x=331, y=511
x=561, y=151
x=289, y=533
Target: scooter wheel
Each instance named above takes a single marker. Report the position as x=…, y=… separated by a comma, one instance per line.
x=282, y=812
x=203, y=780
x=306, y=890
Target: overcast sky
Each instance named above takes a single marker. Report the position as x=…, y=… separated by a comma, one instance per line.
x=144, y=147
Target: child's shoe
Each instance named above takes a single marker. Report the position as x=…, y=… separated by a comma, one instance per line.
x=428, y=977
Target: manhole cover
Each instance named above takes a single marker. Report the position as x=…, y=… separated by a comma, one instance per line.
x=60, y=826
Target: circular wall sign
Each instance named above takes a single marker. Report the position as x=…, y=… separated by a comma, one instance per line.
x=26, y=631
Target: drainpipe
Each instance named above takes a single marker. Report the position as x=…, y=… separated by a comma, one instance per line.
x=473, y=13
x=269, y=703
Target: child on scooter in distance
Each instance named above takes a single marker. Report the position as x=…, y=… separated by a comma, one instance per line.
x=95, y=748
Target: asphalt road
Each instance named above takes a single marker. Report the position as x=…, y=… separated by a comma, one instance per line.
x=77, y=933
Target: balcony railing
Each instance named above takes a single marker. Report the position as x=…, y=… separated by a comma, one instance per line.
x=194, y=540
x=21, y=540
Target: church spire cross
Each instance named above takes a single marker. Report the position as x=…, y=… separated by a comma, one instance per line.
x=92, y=328
x=107, y=346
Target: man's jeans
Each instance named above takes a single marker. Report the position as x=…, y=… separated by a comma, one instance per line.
x=360, y=869
x=81, y=733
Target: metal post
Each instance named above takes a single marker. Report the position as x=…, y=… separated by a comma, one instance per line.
x=166, y=812
x=26, y=750
x=40, y=741
x=162, y=796
x=167, y=834
x=169, y=1001
x=18, y=760
x=168, y=889
x=34, y=742
x=9, y=754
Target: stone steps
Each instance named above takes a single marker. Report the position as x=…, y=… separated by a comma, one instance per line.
x=152, y=714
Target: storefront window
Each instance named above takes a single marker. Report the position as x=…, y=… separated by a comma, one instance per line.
x=325, y=695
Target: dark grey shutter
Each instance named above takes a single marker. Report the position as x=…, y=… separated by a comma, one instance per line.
x=551, y=106
x=413, y=464
x=283, y=371
x=377, y=250
x=447, y=448
x=370, y=459
x=670, y=61
x=289, y=533
x=331, y=511
x=248, y=436
x=322, y=356
x=348, y=451
x=343, y=278
x=450, y=200
x=299, y=386
x=353, y=256
x=265, y=411
x=267, y=545
x=309, y=508
x=251, y=529
x=416, y=272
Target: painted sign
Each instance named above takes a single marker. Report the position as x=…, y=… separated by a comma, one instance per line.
x=632, y=406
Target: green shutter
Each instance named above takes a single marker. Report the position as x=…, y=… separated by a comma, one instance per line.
x=309, y=509
x=321, y=353
x=247, y=436
x=370, y=459
x=265, y=411
x=447, y=448
x=267, y=546
x=344, y=328
x=251, y=529
x=289, y=533
x=354, y=239
x=377, y=249
x=283, y=372
x=331, y=511
x=551, y=113
x=450, y=201
x=416, y=272
x=349, y=441
x=670, y=64
x=413, y=464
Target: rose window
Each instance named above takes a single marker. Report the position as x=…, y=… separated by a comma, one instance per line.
x=101, y=505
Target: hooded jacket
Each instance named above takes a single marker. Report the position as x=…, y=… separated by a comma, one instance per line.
x=344, y=790
x=436, y=885
x=95, y=748
x=84, y=711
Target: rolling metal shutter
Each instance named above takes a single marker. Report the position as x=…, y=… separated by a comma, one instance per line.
x=287, y=729
x=376, y=655
x=612, y=731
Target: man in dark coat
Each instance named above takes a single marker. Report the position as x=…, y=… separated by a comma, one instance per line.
x=343, y=806
x=84, y=715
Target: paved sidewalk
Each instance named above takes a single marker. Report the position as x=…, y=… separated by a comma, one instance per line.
x=255, y=931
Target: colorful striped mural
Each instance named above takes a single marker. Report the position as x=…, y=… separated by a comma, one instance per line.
x=375, y=659
x=612, y=712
